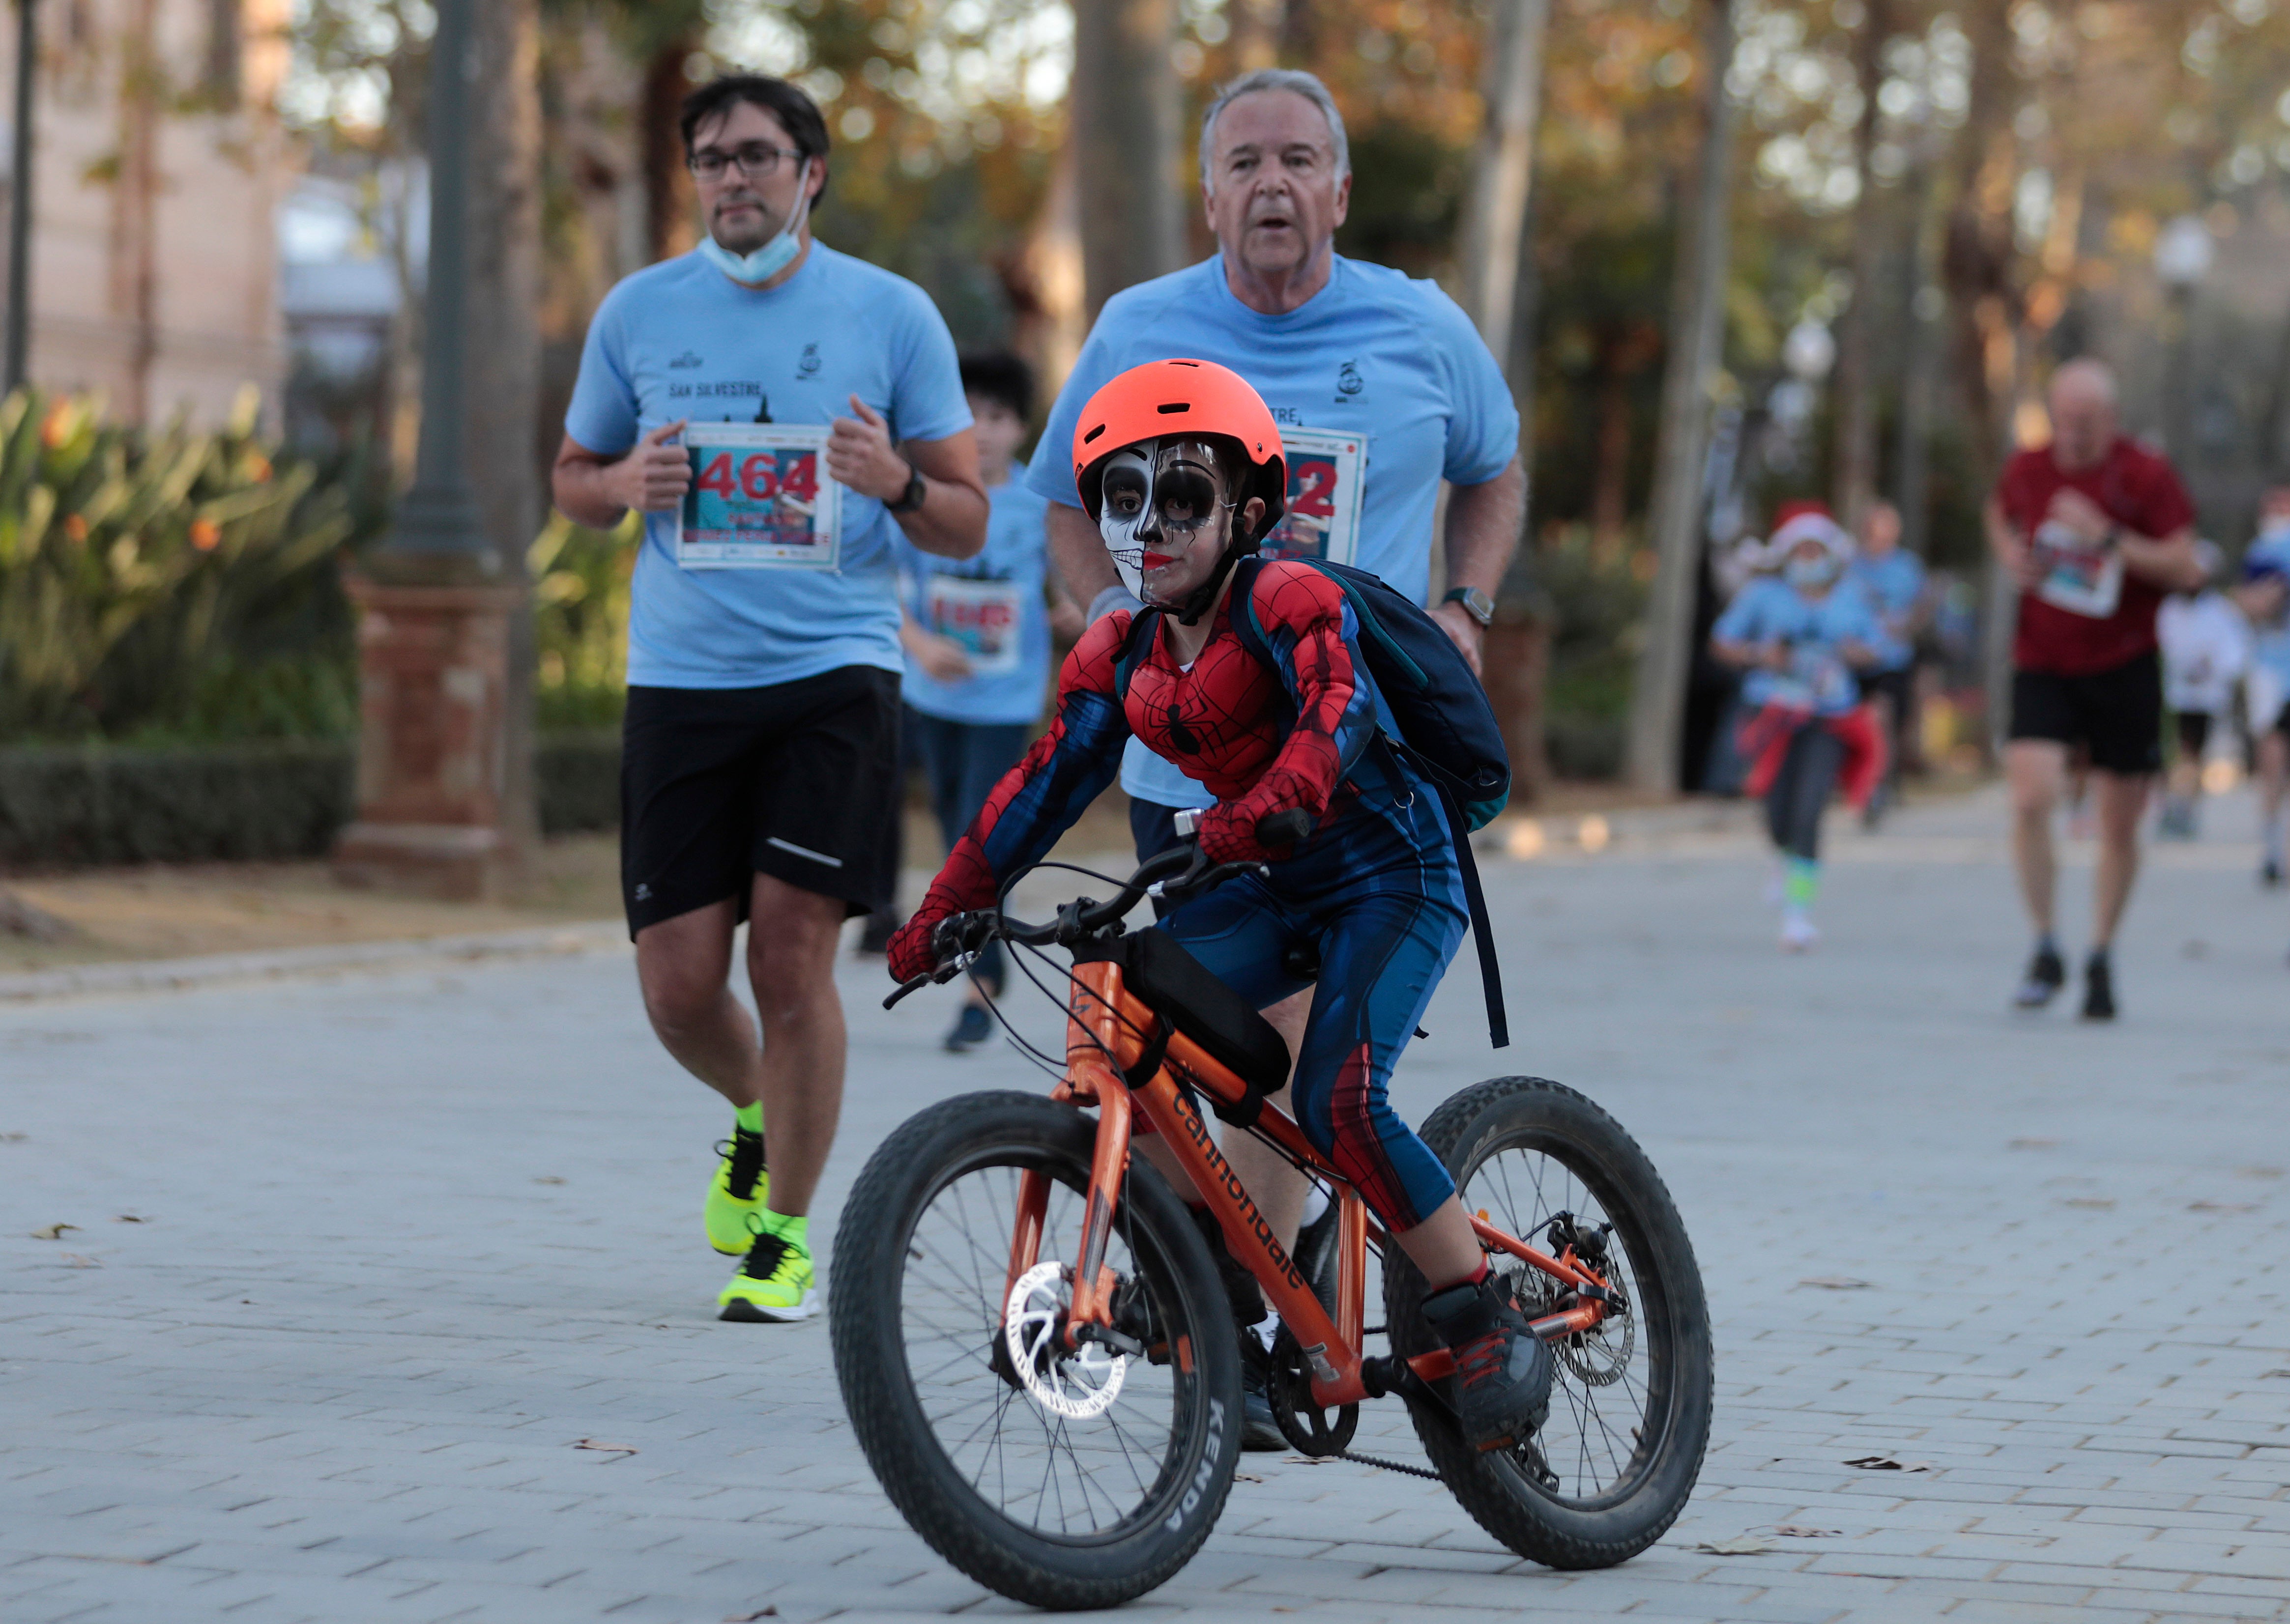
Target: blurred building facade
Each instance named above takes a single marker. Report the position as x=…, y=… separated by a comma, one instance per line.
x=159, y=166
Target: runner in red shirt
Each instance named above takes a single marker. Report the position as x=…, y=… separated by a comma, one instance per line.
x=2095, y=530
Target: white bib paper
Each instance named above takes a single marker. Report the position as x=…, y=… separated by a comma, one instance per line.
x=1326, y=479
x=983, y=616
x=2077, y=576
x=760, y=499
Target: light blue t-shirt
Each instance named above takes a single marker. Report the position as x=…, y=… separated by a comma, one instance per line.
x=682, y=339
x=991, y=605
x=1894, y=583
x=1769, y=610
x=1392, y=363
x=2270, y=643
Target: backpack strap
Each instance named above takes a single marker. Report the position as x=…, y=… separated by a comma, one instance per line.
x=1143, y=626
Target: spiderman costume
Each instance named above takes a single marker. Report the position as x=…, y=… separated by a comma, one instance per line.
x=1374, y=889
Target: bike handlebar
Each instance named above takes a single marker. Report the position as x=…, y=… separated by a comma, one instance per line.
x=959, y=935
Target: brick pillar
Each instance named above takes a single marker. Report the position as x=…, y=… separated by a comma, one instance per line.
x=433, y=676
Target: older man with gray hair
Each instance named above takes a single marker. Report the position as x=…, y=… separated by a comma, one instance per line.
x=1382, y=391
x=2095, y=529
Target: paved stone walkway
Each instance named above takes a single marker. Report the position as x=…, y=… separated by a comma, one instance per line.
x=409, y=1236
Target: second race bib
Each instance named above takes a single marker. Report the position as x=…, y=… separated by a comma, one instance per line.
x=760, y=499
x=2076, y=576
x=1325, y=482
x=983, y=616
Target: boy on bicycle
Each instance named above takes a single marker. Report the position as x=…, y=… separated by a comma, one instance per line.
x=1180, y=465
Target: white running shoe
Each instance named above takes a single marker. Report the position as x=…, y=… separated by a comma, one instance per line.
x=1798, y=935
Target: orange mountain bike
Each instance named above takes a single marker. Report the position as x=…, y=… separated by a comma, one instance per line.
x=1037, y=1346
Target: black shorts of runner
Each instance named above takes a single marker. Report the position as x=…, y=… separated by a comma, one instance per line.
x=2194, y=731
x=798, y=781
x=2117, y=714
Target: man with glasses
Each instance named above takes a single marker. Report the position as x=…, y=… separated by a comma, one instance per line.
x=1382, y=391
x=777, y=411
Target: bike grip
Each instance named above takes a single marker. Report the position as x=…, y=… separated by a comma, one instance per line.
x=1283, y=829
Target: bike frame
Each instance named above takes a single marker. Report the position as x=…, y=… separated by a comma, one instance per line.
x=1106, y=1036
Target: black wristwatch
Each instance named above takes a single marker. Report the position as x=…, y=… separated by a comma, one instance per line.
x=1475, y=604
x=911, y=498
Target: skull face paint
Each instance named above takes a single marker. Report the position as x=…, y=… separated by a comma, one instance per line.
x=1157, y=497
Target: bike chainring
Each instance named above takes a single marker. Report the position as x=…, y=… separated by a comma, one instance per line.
x=1288, y=1386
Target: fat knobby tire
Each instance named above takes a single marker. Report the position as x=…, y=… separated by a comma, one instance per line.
x=900, y=1179
x=1533, y=1113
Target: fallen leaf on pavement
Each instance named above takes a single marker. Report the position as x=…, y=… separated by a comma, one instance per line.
x=1792, y=1530
x=54, y=1232
x=2258, y=1172
x=2100, y=1202
x=1309, y=1460
x=2033, y=1144
x=12, y=1139
x=1834, y=1282
x=130, y=1218
x=1744, y=1546
x=548, y=1178
x=1885, y=1463
x=1246, y=1477
x=2223, y=1206
x=609, y=1449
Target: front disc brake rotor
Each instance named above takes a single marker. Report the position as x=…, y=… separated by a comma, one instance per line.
x=1076, y=1384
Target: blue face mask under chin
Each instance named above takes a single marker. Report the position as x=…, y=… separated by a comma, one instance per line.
x=774, y=256
x=1809, y=572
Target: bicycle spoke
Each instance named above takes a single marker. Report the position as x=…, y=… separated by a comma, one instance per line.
x=1061, y=1476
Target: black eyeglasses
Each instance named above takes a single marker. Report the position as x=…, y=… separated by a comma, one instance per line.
x=757, y=160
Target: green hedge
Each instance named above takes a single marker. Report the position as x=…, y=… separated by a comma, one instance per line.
x=76, y=807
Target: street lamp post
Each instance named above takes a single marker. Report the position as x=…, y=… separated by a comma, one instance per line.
x=433, y=615
x=2183, y=253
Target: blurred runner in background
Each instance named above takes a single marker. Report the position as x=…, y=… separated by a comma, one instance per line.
x=2205, y=645
x=2264, y=595
x=1894, y=578
x=1803, y=635
x=976, y=632
x=2095, y=529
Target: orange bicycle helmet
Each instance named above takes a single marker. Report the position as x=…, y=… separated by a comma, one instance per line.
x=1181, y=397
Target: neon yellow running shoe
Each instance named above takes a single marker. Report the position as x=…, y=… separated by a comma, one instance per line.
x=773, y=1285
x=728, y=1212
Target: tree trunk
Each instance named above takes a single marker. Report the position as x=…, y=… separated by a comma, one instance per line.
x=1123, y=114
x=135, y=207
x=669, y=198
x=504, y=282
x=1503, y=170
x=1856, y=383
x=1256, y=26
x=1921, y=375
x=1697, y=324
x=1977, y=262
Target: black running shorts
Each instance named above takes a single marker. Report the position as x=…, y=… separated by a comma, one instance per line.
x=798, y=781
x=2118, y=713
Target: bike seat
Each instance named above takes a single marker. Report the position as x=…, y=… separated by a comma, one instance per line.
x=1182, y=991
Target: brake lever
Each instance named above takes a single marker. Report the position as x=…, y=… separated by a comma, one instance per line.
x=939, y=977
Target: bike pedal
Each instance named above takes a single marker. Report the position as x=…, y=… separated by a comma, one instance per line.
x=1505, y=1442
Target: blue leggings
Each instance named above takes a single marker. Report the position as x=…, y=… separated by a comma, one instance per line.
x=1380, y=898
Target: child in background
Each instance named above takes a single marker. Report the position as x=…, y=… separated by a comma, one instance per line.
x=1801, y=636
x=976, y=632
x=2206, y=646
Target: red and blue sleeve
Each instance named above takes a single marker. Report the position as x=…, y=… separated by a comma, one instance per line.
x=1037, y=800
x=1313, y=640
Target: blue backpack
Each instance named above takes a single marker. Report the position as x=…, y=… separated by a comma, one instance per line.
x=1446, y=726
